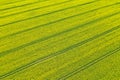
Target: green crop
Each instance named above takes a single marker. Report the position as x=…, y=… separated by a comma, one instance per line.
x=59, y=40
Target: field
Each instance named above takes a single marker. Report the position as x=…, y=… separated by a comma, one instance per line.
x=59, y=39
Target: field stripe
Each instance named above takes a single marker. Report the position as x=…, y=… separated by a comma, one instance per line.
x=58, y=53
x=59, y=40
x=13, y=14
x=55, y=4
x=32, y=69
x=21, y=5
x=43, y=39
x=35, y=51
x=43, y=25
x=10, y=3
x=39, y=50
x=90, y=64
x=4, y=25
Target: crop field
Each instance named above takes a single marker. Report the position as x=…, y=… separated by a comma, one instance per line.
x=59, y=39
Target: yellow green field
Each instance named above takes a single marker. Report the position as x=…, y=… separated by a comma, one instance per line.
x=59, y=39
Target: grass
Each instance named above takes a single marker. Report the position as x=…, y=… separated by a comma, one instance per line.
x=59, y=40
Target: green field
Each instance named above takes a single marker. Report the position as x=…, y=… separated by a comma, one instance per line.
x=59, y=39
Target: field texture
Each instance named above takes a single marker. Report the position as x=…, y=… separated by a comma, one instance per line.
x=59, y=39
